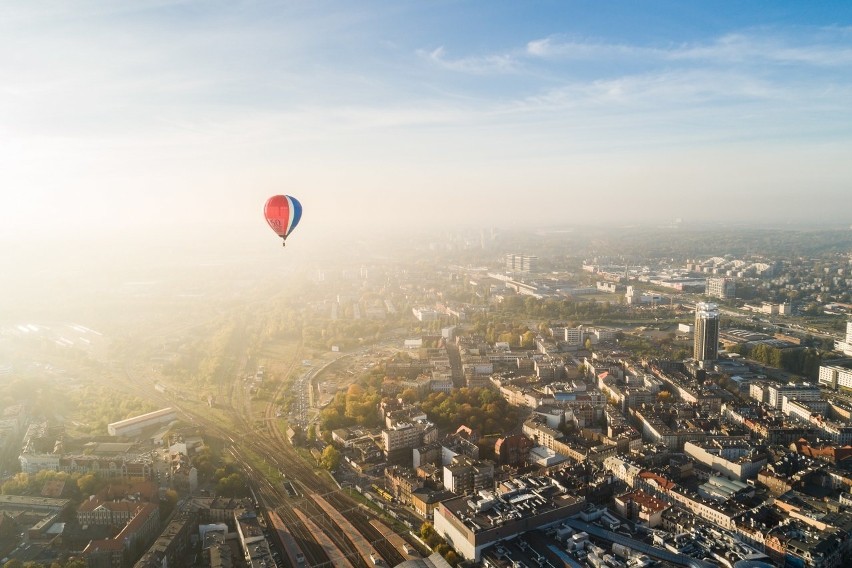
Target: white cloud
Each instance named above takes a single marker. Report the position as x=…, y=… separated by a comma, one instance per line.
x=477, y=65
x=550, y=48
x=826, y=49
x=661, y=90
x=756, y=48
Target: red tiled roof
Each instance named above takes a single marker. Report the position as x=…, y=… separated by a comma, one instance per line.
x=647, y=501
x=664, y=483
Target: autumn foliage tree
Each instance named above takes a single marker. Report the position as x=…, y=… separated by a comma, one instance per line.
x=330, y=458
x=358, y=405
x=480, y=408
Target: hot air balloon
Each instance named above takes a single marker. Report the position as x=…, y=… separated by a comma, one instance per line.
x=282, y=212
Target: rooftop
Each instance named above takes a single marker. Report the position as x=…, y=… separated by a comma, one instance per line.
x=645, y=500
x=523, y=498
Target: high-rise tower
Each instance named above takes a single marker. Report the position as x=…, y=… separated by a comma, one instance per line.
x=845, y=346
x=723, y=288
x=521, y=263
x=706, y=332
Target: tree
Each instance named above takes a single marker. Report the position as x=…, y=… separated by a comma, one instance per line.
x=17, y=485
x=409, y=396
x=508, y=337
x=812, y=309
x=430, y=537
x=330, y=458
x=171, y=496
x=88, y=484
x=232, y=486
x=203, y=462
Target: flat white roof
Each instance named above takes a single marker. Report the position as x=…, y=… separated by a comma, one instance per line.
x=142, y=417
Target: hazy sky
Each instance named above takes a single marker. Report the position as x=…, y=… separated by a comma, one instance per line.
x=132, y=117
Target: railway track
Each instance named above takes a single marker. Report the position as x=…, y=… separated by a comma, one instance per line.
x=272, y=445
x=359, y=519
x=276, y=449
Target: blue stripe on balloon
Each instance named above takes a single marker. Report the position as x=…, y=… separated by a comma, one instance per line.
x=295, y=213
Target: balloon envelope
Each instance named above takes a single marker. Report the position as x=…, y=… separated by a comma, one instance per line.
x=282, y=212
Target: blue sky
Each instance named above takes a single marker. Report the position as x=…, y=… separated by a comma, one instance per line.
x=151, y=115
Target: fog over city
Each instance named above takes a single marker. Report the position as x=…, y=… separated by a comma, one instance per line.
x=549, y=266
x=151, y=122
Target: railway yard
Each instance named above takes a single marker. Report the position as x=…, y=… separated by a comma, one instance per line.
x=310, y=519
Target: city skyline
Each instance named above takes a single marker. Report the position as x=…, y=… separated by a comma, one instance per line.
x=155, y=116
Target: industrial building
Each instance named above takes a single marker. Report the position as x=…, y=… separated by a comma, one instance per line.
x=135, y=425
x=471, y=524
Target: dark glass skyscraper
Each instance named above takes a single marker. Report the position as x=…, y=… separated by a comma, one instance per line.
x=706, y=346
